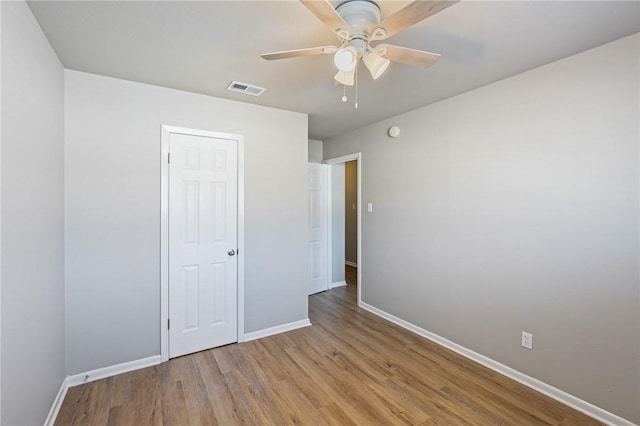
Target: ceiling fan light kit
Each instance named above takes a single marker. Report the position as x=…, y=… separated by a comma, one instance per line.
x=345, y=78
x=375, y=63
x=357, y=23
x=346, y=59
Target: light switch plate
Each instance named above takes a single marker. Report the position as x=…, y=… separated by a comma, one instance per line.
x=527, y=340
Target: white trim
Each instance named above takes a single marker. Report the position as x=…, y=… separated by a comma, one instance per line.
x=359, y=226
x=241, y=246
x=338, y=284
x=57, y=403
x=164, y=229
x=112, y=370
x=90, y=376
x=276, y=330
x=343, y=159
x=340, y=160
x=1, y=7
x=535, y=384
x=329, y=227
x=346, y=262
x=164, y=243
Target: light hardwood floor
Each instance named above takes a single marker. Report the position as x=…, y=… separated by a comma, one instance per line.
x=349, y=368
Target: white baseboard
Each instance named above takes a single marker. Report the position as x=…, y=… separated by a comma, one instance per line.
x=548, y=390
x=338, y=284
x=346, y=262
x=102, y=373
x=276, y=330
x=57, y=403
x=90, y=376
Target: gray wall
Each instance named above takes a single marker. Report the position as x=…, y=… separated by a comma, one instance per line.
x=337, y=223
x=113, y=212
x=351, y=211
x=33, y=357
x=315, y=151
x=515, y=207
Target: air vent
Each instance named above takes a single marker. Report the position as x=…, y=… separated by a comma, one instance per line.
x=247, y=89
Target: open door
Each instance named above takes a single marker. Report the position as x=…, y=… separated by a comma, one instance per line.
x=318, y=228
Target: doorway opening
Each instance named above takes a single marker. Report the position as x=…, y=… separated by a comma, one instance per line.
x=339, y=258
x=351, y=222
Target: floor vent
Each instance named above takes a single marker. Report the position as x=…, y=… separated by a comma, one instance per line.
x=247, y=89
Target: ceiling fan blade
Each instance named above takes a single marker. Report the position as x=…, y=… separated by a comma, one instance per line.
x=408, y=16
x=322, y=50
x=407, y=56
x=328, y=15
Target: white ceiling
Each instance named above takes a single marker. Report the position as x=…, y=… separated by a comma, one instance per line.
x=202, y=46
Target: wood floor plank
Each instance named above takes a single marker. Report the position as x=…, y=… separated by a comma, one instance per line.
x=334, y=415
x=174, y=405
x=78, y=398
x=350, y=368
x=99, y=402
x=353, y=403
x=266, y=366
x=197, y=398
x=217, y=389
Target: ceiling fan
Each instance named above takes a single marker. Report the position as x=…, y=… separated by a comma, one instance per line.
x=357, y=23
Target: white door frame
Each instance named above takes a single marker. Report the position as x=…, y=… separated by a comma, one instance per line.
x=341, y=160
x=166, y=131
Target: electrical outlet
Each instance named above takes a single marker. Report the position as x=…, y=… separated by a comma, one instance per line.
x=527, y=340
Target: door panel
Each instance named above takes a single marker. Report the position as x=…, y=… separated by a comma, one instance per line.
x=318, y=228
x=203, y=179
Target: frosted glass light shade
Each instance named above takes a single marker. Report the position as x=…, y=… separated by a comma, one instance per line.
x=376, y=64
x=346, y=78
x=346, y=59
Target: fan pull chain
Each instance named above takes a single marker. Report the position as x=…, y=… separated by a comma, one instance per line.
x=344, y=93
x=356, y=77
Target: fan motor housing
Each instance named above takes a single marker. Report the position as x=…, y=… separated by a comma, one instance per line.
x=360, y=15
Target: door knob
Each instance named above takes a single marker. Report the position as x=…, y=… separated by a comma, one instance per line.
x=231, y=252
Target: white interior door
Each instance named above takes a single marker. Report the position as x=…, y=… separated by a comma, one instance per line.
x=318, y=228
x=203, y=191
